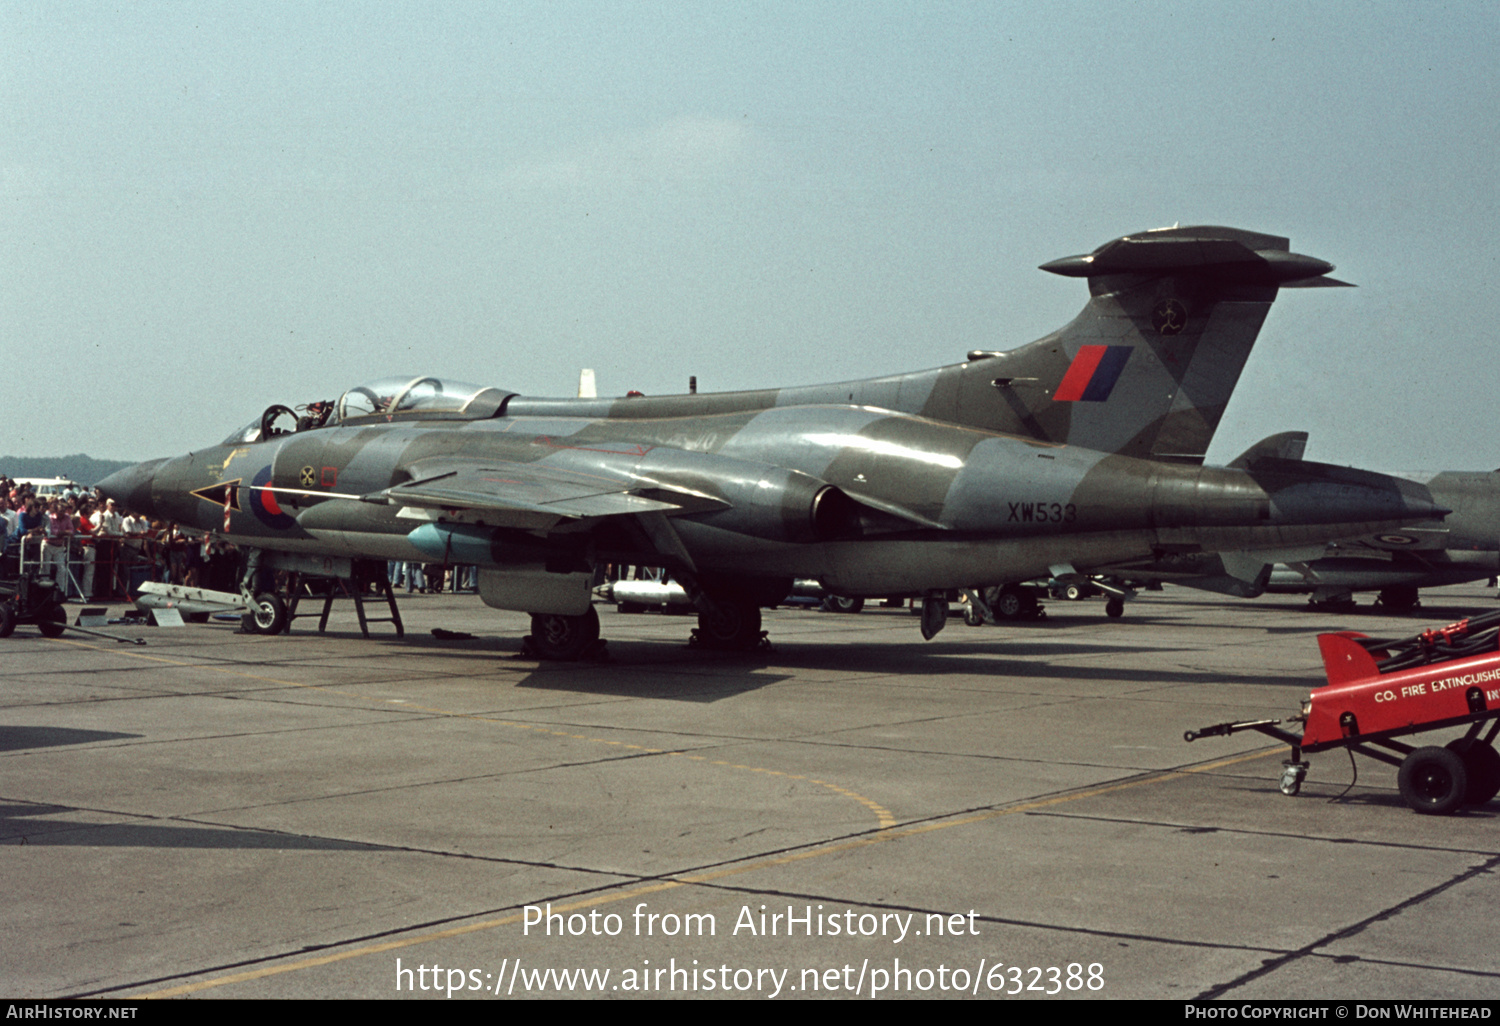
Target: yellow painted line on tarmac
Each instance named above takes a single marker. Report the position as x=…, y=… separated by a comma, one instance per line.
x=605, y=898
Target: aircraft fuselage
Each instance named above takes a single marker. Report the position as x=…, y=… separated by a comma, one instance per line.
x=924, y=505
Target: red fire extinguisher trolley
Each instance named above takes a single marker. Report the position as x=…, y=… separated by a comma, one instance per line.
x=1379, y=690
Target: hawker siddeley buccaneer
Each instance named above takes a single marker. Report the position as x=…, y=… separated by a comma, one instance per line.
x=1080, y=449
x=1461, y=547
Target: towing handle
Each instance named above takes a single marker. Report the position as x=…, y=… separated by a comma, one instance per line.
x=1225, y=729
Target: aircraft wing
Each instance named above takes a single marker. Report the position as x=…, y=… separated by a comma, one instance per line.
x=534, y=494
x=1418, y=538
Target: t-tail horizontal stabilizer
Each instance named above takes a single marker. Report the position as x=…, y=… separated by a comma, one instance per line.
x=1148, y=367
x=1227, y=253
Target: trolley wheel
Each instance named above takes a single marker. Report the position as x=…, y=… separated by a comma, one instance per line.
x=7, y=620
x=52, y=623
x=565, y=638
x=268, y=615
x=841, y=604
x=1481, y=765
x=1072, y=593
x=1432, y=781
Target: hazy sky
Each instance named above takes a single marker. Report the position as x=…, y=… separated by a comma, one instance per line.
x=208, y=208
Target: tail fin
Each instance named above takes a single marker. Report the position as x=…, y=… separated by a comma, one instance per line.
x=1145, y=370
x=1148, y=366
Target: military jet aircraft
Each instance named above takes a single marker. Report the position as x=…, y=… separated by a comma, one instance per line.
x=1462, y=547
x=910, y=485
x=1397, y=564
x=1146, y=368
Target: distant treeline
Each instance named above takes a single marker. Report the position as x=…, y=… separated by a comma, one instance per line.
x=84, y=469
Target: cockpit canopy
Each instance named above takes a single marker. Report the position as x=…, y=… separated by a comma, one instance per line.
x=391, y=396
x=385, y=399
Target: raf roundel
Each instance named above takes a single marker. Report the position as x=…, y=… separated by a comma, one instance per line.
x=263, y=503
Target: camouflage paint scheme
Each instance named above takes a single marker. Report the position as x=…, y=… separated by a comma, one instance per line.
x=1460, y=547
x=1464, y=546
x=1080, y=449
x=1145, y=369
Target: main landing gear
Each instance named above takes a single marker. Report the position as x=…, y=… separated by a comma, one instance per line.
x=563, y=638
x=1399, y=598
x=729, y=625
x=726, y=623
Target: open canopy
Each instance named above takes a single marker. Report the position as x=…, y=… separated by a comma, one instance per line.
x=385, y=399
x=388, y=397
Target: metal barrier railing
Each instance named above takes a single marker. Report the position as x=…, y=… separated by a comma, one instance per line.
x=111, y=568
x=96, y=570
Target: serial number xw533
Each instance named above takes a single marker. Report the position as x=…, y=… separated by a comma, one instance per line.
x=1042, y=512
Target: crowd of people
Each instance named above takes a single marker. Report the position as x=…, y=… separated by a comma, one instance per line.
x=97, y=551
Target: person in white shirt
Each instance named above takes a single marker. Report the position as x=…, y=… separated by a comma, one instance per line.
x=12, y=520
x=107, y=519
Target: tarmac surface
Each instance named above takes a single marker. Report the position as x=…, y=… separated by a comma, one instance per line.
x=226, y=815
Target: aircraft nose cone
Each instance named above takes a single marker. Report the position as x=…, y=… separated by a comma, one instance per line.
x=131, y=487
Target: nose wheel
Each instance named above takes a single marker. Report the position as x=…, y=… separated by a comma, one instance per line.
x=266, y=616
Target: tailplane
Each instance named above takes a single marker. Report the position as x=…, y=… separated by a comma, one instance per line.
x=1148, y=366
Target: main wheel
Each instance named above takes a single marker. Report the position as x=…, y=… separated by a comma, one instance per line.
x=53, y=622
x=1481, y=765
x=7, y=620
x=1114, y=608
x=1009, y=604
x=840, y=604
x=1432, y=781
x=565, y=638
x=729, y=624
x=267, y=616
x=1399, y=598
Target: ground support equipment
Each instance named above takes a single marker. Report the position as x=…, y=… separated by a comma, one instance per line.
x=1382, y=689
